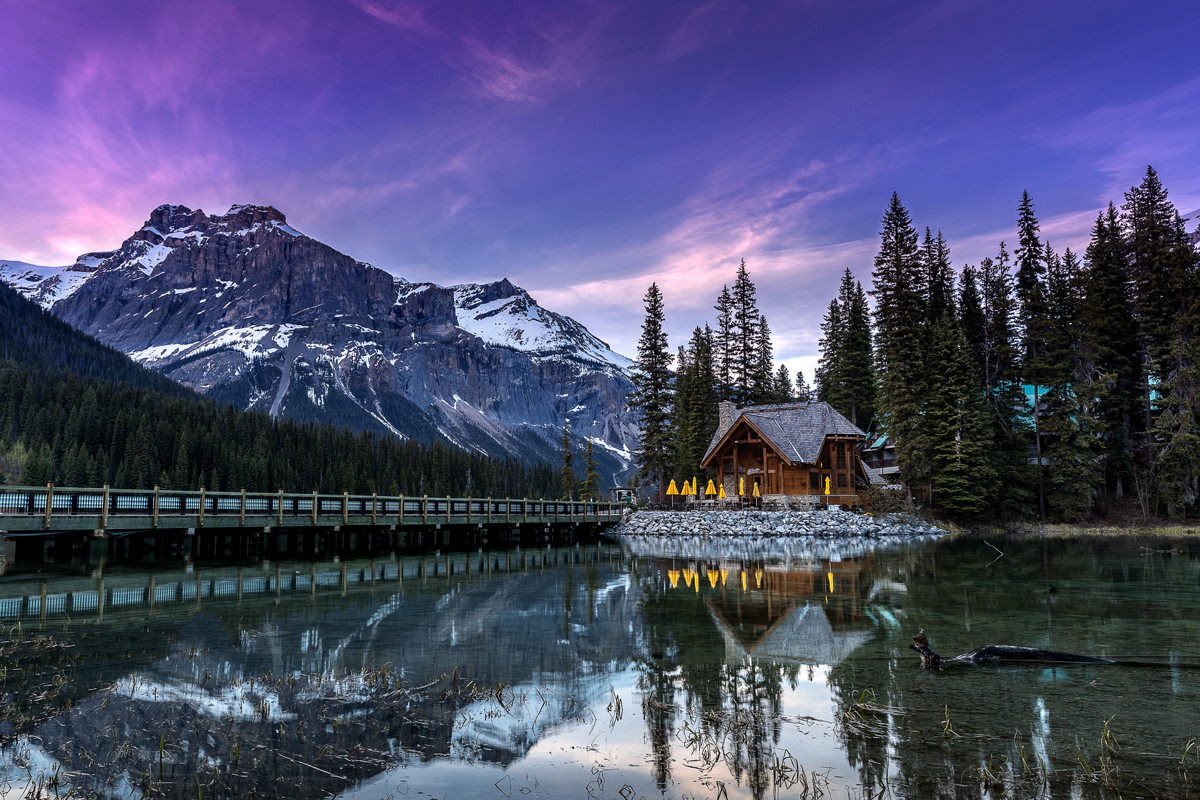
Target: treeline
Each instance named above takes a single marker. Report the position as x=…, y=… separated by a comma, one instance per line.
x=130, y=428
x=1038, y=384
x=678, y=405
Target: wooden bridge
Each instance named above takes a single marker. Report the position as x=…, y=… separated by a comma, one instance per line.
x=236, y=520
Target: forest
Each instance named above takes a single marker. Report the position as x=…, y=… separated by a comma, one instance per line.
x=74, y=412
x=1036, y=384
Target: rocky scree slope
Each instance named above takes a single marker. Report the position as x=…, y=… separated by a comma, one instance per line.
x=244, y=308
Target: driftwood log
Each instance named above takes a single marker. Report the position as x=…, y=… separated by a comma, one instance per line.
x=994, y=654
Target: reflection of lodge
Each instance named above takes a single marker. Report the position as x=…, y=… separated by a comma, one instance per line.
x=791, y=451
x=811, y=616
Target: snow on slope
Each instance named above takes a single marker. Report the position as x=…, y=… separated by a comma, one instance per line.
x=519, y=323
x=43, y=285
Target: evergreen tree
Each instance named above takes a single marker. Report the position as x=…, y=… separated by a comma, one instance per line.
x=785, y=392
x=591, y=479
x=1107, y=320
x=846, y=372
x=830, y=382
x=723, y=352
x=1031, y=293
x=651, y=394
x=939, y=278
x=1073, y=393
x=803, y=392
x=1002, y=387
x=762, y=388
x=960, y=472
x=970, y=312
x=746, y=342
x=899, y=312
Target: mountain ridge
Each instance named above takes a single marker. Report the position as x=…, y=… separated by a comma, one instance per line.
x=245, y=308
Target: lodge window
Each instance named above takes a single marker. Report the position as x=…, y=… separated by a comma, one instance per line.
x=841, y=480
x=841, y=455
x=814, y=480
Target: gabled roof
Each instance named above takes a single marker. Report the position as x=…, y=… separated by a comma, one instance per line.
x=795, y=430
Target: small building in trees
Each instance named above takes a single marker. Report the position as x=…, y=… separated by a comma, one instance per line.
x=790, y=450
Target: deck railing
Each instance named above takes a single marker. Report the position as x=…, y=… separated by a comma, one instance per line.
x=55, y=507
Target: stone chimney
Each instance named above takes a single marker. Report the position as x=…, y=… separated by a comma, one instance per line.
x=726, y=413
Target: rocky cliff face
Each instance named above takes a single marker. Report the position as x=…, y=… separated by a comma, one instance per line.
x=247, y=309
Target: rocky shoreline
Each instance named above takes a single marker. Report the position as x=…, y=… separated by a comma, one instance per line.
x=832, y=524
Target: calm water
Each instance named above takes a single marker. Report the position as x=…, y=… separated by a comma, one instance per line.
x=650, y=669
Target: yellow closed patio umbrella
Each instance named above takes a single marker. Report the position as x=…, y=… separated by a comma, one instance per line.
x=673, y=574
x=741, y=486
x=827, y=484
x=721, y=492
x=710, y=490
x=671, y=492
x=756, y=494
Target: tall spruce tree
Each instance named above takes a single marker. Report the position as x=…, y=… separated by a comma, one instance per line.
x=590, y=490
x=1031, y=293
x=1002, y=388
x=1073, y=392
x=899, y=312
x=650, y=397
x=846, y=371
x=830, y=383
x=1164, y=277
x=970, y=314
x=701, y=421
x=722, y=343
x=961, y=475
x=1107, y=320
x=746, y=342
x=762, y=388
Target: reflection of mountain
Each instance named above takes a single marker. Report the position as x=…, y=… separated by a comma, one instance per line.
x=308, y=688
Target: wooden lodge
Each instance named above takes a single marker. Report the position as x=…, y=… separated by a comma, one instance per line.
x=801, y=454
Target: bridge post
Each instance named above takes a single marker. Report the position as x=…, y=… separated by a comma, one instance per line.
x=374, y=502
x=425, y=508
x=154, y=521
x=200, y=519
x=242, y=513
x=104, y=512
x=400, y=513
x=279, y=511
x=468, y=511
x=525, y=509
x=345, y=508
x=489, y=509
x=314, y=508
x=448, y=514
x=49, y=503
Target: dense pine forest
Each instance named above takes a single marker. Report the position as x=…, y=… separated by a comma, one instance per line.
x=1036, y=384
x=77, y=413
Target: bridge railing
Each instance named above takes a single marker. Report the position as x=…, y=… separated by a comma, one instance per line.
x=160, y=505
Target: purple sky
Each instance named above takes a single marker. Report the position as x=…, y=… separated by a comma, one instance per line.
x=585, y=149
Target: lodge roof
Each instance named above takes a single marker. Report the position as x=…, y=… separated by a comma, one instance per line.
x=795, y=430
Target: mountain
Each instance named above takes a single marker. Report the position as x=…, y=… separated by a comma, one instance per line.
x=246, y=309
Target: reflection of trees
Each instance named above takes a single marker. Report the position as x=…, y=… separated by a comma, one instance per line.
x=728, y=712
x=1106, y=597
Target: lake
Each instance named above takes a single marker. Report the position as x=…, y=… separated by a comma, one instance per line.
x=634, y=669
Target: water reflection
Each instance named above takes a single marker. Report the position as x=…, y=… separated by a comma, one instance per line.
x=642, y=670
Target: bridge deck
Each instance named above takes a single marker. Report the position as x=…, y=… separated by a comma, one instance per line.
x=51, y=509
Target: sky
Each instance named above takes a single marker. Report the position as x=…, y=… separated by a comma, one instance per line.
x=586, y=149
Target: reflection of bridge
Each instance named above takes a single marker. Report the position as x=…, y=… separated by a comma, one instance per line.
x=79, y=597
